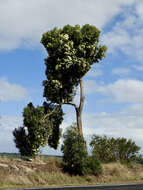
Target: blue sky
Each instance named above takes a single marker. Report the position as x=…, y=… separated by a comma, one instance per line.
x=113, y=88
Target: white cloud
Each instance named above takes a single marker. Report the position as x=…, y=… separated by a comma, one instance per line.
x=121, y=71
x=128, y=125
x=7, y=125
x=126, y=34
x=138, y=67
x=90, y=86
x=123, y=90
x=116, y=39
x=9, y=91
x=139, y=8
x=134, y=108
x=116, y=125
x=25, y=21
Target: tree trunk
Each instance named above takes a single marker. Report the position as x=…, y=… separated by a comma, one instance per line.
x=79, y=109
x=79, y=121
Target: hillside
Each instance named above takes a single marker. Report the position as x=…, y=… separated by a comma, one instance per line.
x=44, y=172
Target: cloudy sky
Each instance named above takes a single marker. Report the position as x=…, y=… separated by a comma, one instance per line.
x=113, y=88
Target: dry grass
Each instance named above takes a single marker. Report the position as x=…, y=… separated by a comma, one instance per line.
x=48, y=172
x=121, y=173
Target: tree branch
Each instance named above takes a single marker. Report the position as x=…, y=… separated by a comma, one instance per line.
x=72, y=104
x=48, y=114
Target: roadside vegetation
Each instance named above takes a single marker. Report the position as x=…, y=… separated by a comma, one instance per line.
x=76, y=166
x=47, y=171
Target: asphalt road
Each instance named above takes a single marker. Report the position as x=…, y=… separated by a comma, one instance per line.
x=138, y=186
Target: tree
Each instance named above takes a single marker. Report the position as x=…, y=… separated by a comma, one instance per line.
x=74, y=150
x=113, y=149
x=41, y=130
x=75, y=154
x=72, y=51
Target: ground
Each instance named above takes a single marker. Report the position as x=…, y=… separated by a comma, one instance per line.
x=47, y=171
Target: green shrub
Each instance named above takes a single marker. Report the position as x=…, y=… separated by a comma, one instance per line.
x=94, y=166
x=75, y=154
x=126, y=149
x=75, y=151
x=111, y=149
x=103, y=148
x=20, y=139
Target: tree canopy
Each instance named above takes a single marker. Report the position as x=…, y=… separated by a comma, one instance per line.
x=72, y=50
x=41, y=130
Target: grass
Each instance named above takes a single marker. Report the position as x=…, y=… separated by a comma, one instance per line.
x=47, y=171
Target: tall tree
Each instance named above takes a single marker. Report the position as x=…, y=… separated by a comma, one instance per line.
x=72, y=51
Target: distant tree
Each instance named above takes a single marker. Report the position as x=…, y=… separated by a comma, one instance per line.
x=72, y=51
x=113, y=149
x=41, y=130
x=127, y=149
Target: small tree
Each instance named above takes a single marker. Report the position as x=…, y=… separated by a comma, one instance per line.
x=41, y=130
x=103, y=148
x=74, y=151
x=127, y=149
x=71, y=53
x=75, y=154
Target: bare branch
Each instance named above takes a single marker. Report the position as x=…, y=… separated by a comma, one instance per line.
x=72, y=104
x=48, y=114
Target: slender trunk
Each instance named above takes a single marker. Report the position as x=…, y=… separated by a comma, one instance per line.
x=79, y=109
x=79, y=121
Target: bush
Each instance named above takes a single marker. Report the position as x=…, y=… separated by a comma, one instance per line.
x=75, y=154
x=139, y=159
x=126, y=149
x=94, y=166
x=20, y=139
x=111, y=149
x=103, y=148
x=75, y=151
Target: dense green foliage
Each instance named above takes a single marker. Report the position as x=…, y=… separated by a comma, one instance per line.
x=71, y=52
x=75, y=151
x=20, y=139
x=93, y=166
x=75, y=154
x=40, y=131
x=113, y=149
x=55, y=119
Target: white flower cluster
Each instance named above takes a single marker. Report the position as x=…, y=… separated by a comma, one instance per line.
x=57, y=83
x=66, y=36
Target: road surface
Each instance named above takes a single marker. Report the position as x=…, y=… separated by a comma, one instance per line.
x=138, y=186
